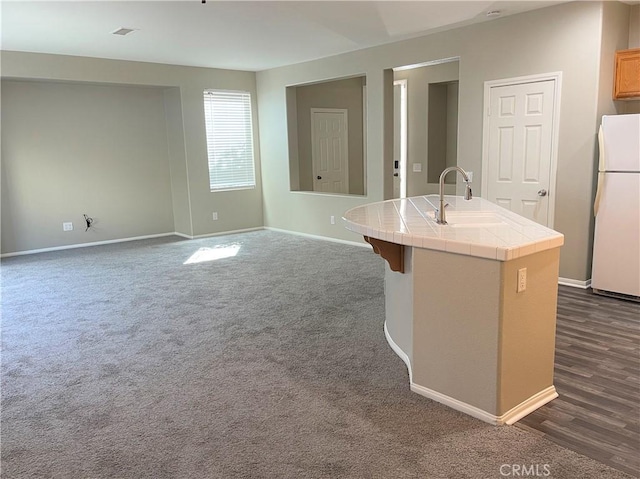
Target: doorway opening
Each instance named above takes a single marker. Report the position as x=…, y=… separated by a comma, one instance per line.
x=409, y=166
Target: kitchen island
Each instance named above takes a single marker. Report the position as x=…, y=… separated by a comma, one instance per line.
x=470, y=306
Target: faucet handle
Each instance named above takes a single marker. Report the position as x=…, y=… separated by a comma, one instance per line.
x=436, y=211
x=468, y=194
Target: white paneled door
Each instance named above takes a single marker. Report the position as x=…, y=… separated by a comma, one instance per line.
x=329, y=150
x=519, y=150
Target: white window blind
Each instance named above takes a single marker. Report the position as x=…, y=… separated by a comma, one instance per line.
x=229, y=139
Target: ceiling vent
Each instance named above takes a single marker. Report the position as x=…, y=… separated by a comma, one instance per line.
x=122, y=31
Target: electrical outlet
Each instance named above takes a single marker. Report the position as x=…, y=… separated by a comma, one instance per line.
x=522, y=280
x=470, y=176
x=67, y=226
x=215, y=216
x=333, y=220
x=417, y=167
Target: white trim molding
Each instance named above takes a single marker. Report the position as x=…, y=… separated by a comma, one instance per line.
x=575, y=283
x=318, y=237
x=84, y=245
x=401, y=354
x=426, y=64
x=224, y=233
x=514, y=414
x=454, y=403
x=124, y=240
x=508, y=418
x=528, y=406
x=183, y=235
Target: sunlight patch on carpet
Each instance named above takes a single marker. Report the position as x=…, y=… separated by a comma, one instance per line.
x=212, y=254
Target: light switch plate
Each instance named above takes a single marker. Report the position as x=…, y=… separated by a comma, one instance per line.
x=67, y=226
x=417, y=167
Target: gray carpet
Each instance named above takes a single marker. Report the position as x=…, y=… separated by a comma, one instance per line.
x=120, y=361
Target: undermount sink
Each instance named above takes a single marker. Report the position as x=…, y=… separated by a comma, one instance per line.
x=471, y=219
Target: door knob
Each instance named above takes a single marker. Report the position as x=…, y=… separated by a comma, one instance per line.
x=319, y=177
x=542, y=192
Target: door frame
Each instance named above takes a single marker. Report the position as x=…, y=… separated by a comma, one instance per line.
x=402, y=167
x=364, y=140
x=556, y=77
x=345, y=113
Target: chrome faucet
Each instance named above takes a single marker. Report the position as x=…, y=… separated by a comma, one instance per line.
x=440, y=216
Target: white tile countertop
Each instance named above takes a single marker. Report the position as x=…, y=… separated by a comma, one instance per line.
x=476, y=227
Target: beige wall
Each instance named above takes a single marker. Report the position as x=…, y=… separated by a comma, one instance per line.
x=345, y=94
x=634, y=26
x=561, y=38
x=436, y=133
x=493, y=349
x=527, y=328
x=186, y=150
x=177, y=162
x=74, y=149
x=398, y=304
x=442, y=133
x=456, y=343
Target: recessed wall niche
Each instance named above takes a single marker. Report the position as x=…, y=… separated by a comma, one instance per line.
x=326, y=128
x=442, y=129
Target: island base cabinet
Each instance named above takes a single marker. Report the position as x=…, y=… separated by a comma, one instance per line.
x=476, y=343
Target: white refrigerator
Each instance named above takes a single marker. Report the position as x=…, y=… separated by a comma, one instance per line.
x=616, y=246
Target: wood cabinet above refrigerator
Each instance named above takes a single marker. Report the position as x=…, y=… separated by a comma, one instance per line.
x=626, y=85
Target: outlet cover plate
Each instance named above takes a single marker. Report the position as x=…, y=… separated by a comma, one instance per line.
x=522, y=280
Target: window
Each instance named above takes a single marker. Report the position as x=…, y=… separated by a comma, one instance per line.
x=227, y=117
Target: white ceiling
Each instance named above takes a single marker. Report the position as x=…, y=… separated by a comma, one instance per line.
x=239, y=35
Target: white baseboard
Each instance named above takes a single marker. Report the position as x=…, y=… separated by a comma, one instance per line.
x=528, y=406
x=399, y=352
x=454, y=404
x=123, y=240
x=84, y=245
x=510, y=417
x=223, y=233
x=574, y=283
x=182, y=235
x=324, y=238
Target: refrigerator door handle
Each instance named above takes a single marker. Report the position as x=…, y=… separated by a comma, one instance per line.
x=601, y=169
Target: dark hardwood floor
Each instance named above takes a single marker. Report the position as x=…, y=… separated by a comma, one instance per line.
x=597, y=375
